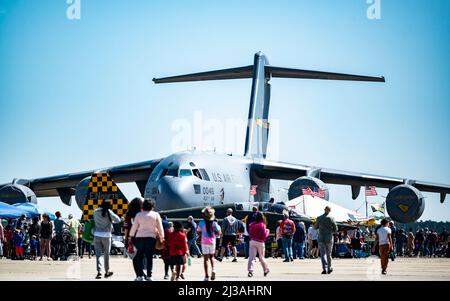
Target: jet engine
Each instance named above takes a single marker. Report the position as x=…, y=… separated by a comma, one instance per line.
x=316, y=185
x=405, y=204
x=81, y=192
x=16, y=193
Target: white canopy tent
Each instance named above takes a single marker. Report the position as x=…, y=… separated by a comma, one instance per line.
x=314, y=207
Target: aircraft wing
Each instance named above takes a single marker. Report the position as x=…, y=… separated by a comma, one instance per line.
x=65, y=184
x=288, y=171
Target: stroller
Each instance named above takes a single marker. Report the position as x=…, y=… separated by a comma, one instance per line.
x=63, y=246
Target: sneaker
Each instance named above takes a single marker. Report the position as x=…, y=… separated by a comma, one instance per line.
x=108, y=274
x=139, y=278
x=250, y=274
x=266, y=272
x=166, y=277
x=148, y=279
x=99, y=276
x=234, y=260
x=384, y=272
x=199, y=256
x=324, y=272
x=182, y=276
x=286, y=260
x=219, y=259
x=292, y=259
x=330, y=270
x=173, y=277
x=206, y=279
x=213, y=276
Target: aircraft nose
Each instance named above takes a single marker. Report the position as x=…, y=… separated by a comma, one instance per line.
x=168, y=195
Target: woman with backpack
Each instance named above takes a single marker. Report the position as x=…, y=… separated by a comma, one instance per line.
x=209, y=230
x=258, y=235
x=287, y=228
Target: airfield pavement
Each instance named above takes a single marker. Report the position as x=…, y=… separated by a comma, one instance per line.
x=368, y=269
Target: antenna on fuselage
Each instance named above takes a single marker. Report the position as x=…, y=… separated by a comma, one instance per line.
x=261, y=72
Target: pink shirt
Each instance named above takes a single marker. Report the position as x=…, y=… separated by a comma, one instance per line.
x=258, y=232
x=147, y=224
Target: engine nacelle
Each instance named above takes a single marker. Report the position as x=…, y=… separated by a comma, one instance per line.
x=16, y=193
x=296, y=188
x=81, y=192
x=405, y=204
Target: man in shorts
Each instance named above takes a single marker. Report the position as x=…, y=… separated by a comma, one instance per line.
x=229, y=231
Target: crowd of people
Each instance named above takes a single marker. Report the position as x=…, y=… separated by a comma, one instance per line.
x=147, y=234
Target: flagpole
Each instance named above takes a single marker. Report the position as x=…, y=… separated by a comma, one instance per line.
x=365, y=199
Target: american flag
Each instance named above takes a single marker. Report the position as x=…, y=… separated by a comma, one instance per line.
x=309, y=191
x=253, y=189
x=371, y=191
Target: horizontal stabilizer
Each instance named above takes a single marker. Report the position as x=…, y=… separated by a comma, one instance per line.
x=309, y=74
x=232, y=73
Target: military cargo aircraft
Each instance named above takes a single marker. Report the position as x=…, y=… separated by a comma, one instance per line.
x=192, y=179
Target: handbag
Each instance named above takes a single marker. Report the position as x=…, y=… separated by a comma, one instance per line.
x=159, y=245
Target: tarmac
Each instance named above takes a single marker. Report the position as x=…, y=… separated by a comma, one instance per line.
x=366, y=269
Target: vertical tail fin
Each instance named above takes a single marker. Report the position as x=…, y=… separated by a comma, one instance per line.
x=101, y=187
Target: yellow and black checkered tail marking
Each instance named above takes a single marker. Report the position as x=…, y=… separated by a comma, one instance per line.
x=102, y=187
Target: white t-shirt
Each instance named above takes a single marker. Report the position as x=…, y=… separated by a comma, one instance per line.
x=383, y=233
x=313, y=234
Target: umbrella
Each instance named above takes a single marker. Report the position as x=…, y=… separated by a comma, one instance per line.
x=8, y=211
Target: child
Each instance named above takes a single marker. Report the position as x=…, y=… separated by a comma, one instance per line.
x=209, y=230
x=178, y=248
x=18, y=243
x=34, y=247
x=165, y=256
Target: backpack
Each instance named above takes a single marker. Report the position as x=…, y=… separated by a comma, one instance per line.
x=287, y=228
x=240, y=227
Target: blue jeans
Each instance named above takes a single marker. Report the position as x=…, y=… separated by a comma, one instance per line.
x=247, y=246
x=287, y=247
x=298, y=248
x=193, y=243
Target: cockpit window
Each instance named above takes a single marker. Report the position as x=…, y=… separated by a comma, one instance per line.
x=196, y=173
x=204, y=174
x=185, y=173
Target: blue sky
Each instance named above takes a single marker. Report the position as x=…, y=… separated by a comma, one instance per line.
x=77, y=94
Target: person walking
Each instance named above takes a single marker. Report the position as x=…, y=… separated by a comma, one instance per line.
x=287, y=229
x=147, y=227
x=385, y=244
x=410, y=243
x=209, y=230
x=258, y=234
x=165, y=253
x=250, y=218
x=298, y=241
x=313, y=246
x=46, y=236
x=327, y=227
x=229, y=234
x=178, y=250
x=191, y=234
x=74, y=229
x=134, y=207
x=104, y=218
